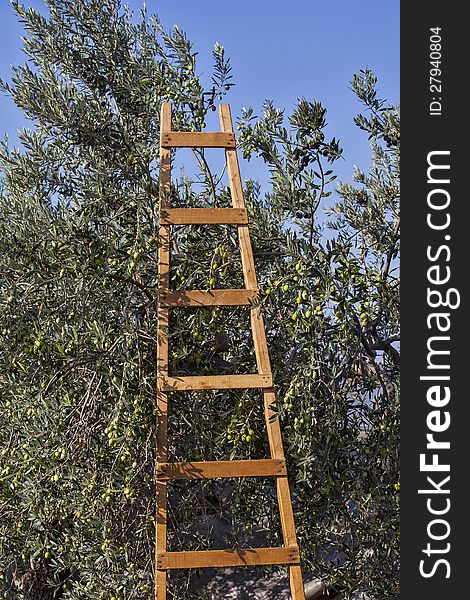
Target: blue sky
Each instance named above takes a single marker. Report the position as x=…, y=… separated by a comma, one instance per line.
x=279, y=50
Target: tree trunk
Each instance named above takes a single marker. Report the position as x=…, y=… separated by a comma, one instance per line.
x=317, y=590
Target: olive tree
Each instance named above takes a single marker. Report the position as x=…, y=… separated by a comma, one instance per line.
x=332, y=303
x=78, y=288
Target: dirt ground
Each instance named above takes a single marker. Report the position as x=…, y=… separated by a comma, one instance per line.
x=234, y=584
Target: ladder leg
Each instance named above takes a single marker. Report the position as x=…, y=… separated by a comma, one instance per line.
x=161, y=495
x=283, y=495
x=161, y=486
x=282, y=483
x=162, y=358
x=162, y=414
x=262, y=359
x=160, y=585
x=236, y=190
x=296, y=583
x=289, y=535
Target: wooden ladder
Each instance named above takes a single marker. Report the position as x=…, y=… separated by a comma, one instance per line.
x=288, y=554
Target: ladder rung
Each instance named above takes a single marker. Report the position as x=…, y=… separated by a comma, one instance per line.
x=208, y=297
x=204, y=216
x=228, y=558
x=197, y=139
x=216, y=382
x=222, y=468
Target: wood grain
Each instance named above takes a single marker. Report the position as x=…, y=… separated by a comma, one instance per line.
x=216, y=382
x=161, y=492
x=228, y=558
x=203, y=216
x=220, y=469
x=203, y=298
x=188, y=139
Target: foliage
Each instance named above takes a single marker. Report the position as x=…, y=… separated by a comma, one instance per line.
x=333, y=303
x=78, y=237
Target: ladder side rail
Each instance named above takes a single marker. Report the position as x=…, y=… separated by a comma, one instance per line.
x=262, y=358
x=235, y=184
x=162, y=357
